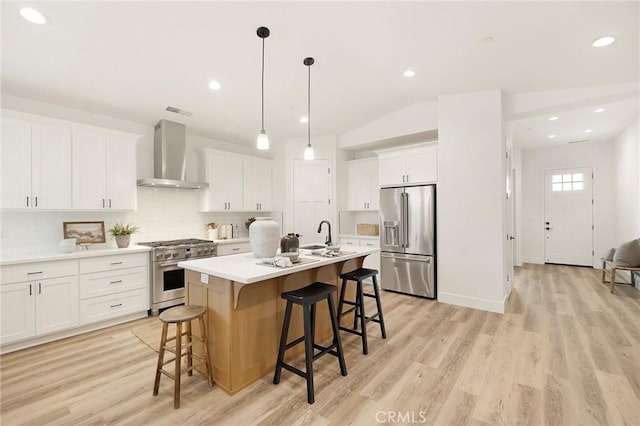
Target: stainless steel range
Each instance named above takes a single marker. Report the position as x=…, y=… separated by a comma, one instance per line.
x=167, y=287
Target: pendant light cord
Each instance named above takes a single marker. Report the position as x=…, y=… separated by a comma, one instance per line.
x=262, y=85
x=309, y=108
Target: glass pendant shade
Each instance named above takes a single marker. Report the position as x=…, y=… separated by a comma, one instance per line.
x=263, y=140
x=308, y=153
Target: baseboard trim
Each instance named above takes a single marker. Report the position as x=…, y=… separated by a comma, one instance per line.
x=535, y=260
x=473, y=302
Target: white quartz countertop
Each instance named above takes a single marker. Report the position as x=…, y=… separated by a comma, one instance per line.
x=244, y=267
x=11, y=259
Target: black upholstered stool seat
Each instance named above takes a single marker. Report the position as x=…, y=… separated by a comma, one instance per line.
x=357, y=306
x=307, y=297
x=310, y=294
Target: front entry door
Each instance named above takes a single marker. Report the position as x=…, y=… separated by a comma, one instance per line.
x=568, y=222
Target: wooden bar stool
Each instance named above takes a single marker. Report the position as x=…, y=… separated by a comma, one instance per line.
x=177, y=316
x=307, y=297
x=357, y=306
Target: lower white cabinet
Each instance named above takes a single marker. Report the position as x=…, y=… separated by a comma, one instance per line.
x=38, y=307
x=233, y=248
x=52, y=298
x=113, y=286
x=113, y=305
x=372, y=261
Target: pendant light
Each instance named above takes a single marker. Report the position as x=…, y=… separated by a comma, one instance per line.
x=263, y=139
x=308, y=152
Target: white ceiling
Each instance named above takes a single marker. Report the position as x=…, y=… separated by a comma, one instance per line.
x=132, y=59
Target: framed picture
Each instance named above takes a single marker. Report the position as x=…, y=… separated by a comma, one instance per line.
x=85, y=232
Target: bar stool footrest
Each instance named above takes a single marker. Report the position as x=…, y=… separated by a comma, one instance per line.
x=295, y=342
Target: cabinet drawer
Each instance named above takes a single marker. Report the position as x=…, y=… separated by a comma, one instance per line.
x=109, y=263
x=113, y=306
x=369, y=243
x=225, y=249
x=38, y=271
x=349, y=241
x=111, y=282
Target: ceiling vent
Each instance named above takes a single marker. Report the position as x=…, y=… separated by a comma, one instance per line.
x=179, y=111
x=580, y=141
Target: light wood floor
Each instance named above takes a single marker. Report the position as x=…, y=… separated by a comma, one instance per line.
x=566, y=353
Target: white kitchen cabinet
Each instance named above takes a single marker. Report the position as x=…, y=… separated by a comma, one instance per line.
x=372, y=261
x=411, y=165
x=362, y=185
x=224, y=175
x=256, y=181
x=36, y=165
x=233, y=248
x=56, y=304
x=236, y=182
x=112, y=286
x=41, y=305
x=104, y=171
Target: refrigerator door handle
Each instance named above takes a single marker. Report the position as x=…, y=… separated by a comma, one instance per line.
x=406, y=219
x=403, y=224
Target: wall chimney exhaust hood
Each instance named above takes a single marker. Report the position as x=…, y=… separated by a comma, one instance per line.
x=169, y=158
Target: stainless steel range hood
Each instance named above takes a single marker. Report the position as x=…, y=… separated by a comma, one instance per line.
x=169, y=158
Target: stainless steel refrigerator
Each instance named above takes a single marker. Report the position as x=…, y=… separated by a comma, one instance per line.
x=407, y=240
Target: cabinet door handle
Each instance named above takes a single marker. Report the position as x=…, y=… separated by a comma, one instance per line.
x=103, y=203
x=109, y=202
x=407, y=178
x=36, y=201
x=115, y=282
x=260, y=206
x=257, y=206
x=116, y=263
x=115, y=306
x=29, y=289
x=39, y=288
x=27, y=201
x=235, y=249
x=34, y=273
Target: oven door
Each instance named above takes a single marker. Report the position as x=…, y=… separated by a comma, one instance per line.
x=168, y=281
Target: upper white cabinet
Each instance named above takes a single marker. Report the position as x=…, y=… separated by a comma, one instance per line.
x=362, y=184
x=410, y=165
x=256, y=180
x=104, y=171
x=236, y=182
x=51, y=164
x=36, y=165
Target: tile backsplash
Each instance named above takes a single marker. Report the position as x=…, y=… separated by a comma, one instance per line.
x=162, y=214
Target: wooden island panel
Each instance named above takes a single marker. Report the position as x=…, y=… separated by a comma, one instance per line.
x=244, y=338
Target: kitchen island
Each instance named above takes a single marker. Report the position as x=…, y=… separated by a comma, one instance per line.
x=245, y=311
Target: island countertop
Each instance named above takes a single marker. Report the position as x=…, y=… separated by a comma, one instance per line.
x=245, y=268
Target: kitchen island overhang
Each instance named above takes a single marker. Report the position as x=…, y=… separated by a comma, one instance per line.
x=245, y=311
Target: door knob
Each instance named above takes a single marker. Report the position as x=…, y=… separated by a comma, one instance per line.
x=511, y=237
x=547, y=228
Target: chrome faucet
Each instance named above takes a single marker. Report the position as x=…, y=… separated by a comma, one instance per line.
x=328, y=240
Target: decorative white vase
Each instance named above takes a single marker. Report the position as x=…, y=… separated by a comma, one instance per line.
x=123, y=240
x=264, y=237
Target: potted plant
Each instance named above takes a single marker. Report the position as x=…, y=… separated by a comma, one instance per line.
x=122, y=233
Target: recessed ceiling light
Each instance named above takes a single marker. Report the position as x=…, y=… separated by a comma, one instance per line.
x=409, y=73
x=552, y=136
x=588, y=131
x=214, y=85
x=33, y=16
x=553, y=118
x=599, y=110
x=304, y=120
x=603, y=41
x=487, y=39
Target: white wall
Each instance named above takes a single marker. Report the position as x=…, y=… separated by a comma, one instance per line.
x=470, y=201
x=517, y=166
x=599, y=155
x=626, y=151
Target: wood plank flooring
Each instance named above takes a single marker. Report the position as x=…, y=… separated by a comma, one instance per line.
x=566, y=353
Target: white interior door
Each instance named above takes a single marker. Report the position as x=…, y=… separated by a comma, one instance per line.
x=311, y=199
x=568, y=223
x=509, y=207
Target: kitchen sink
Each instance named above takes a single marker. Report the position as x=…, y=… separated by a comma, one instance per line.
x=313, y=246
